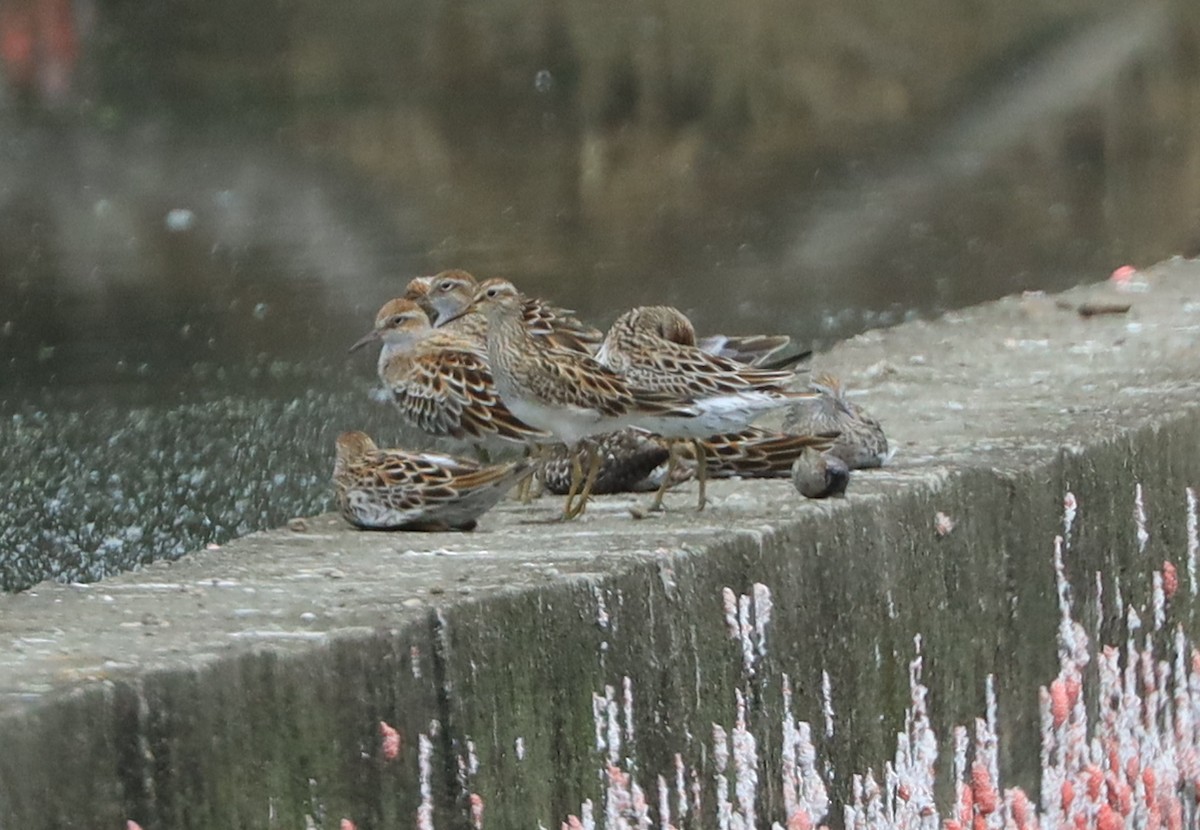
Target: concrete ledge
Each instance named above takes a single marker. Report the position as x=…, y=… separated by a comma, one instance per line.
x=243, y=687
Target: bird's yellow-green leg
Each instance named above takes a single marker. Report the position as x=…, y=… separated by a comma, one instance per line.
x=593, y=470
x=672, y=463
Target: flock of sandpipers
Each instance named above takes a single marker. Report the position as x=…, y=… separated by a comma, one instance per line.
x=641, y=407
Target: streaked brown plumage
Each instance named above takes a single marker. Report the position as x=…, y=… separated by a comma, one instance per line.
x=417, y=290
x=861, y=443
x=566, y=392
x=757, y=350
x=391, y=489
x=649, y=347
x=562, y=391
x=755, y=452
x=820, y=475
x=440, y=380
x=627, y=459
x=653, y=347
x=449, y=297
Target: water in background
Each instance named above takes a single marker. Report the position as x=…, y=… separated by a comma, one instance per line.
x=203, y=204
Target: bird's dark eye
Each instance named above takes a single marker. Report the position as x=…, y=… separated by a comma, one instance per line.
x=394, y=320
x=493, y=292
x=446, y=285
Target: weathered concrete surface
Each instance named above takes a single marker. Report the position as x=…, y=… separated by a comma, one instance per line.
x=242, y=687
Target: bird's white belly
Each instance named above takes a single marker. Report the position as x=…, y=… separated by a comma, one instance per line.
x=723, y=413
x=568, y=423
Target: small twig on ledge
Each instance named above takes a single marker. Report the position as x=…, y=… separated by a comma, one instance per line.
x=1092, y=309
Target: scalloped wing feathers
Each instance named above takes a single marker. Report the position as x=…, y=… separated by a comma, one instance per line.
x=445, y=389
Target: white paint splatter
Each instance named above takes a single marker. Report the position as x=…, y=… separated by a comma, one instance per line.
x=1158, y=601
x=1118, y=600
x=745, y=766
x=827, y=703
x=681, y=803
x=730, y=603
x=472, y=758
x=1139, y=518
x=664, y=805
x=1070, y=506
x=720, y=743
x=599, y=713
x=943, y=525
x=762, y=616
x=613, y=725
x=627, y=706
x=744, y=628
x=425, y=785
x=602, y=618
x=1193, y=541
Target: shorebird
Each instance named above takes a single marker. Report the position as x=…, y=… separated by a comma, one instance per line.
x=763, y=351
x=565, y=392
x=820, y=475
x=756, y=452
x=417, y=290
x=628, y=458
x=450, y=295
x=440, y=380
x=861, y=444
x=421, y=291
x=634, y=461
x=643, y=347
x=394, y=489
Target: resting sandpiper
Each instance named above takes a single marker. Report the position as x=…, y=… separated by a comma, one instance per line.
x=643, y=347
x=399, y=490
x=861, y=444
x=820, y=475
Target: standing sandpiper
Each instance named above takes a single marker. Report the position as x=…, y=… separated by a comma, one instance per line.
x=642, y=346
x=565, y=392
x=440, y=380
x=450, y=295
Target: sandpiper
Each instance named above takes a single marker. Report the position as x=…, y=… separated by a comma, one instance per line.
x=567, y=392
x=440, y=380
x=450, y=295
x=393, y=489
x=764, y=351
x=756, y=452
x=861, y=444
x=425, y=290
x=820, y=475
x=634, y=461
x=628, y=457
x=643, y=347
x=417, y=290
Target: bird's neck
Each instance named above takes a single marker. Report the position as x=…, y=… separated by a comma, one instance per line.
x=400, y=343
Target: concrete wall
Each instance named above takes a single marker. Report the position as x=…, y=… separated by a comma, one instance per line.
x=243, y=687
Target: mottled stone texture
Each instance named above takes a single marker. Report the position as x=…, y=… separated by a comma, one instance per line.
x=243, y=687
